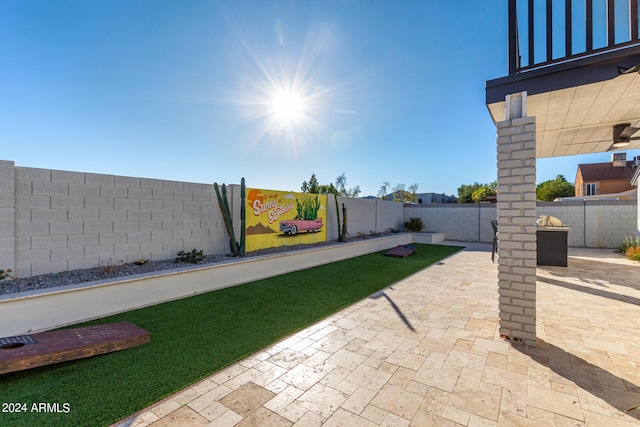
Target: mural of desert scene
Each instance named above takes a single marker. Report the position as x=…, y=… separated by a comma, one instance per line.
x=284, y=218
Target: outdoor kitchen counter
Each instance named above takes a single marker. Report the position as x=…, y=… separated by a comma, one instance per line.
x=553, y=245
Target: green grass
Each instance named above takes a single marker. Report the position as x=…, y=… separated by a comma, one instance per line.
x=197, y=336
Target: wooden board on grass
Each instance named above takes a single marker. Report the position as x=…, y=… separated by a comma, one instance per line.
x=401, y=251
x=46, y=348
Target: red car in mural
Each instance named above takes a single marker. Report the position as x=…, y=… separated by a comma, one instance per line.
x=292, y=226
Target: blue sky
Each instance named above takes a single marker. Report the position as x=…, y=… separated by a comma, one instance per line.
x=206, y=91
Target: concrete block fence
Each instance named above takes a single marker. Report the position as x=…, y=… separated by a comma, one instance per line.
x=53, y=220
x=69, y=220
x=594, y=224
x=597, y=223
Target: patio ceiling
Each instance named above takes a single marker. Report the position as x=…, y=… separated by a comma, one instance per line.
x=576, y=105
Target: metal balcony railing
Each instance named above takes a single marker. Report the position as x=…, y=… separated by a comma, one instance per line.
x=558, y=31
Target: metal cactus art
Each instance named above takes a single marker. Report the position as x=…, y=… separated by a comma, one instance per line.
x=243, y=217
x=238, y=249
x=342, y=230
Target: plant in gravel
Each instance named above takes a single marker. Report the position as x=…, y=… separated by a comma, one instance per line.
x=628, y=242
x=393, y=230
x=633, y=253
x=192, y=257
x=414, y=224
x=111, y=267
x=5, y=274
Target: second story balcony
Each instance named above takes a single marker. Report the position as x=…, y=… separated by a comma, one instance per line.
x=579, y=62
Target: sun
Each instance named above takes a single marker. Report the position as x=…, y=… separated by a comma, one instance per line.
x=287, y=107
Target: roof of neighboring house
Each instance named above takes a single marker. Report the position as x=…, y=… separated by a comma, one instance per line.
x=605, y=171
x=625, y=195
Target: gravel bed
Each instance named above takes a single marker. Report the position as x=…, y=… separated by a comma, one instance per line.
x=10, y=286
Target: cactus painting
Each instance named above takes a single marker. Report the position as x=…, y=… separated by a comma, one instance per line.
x=307, y=206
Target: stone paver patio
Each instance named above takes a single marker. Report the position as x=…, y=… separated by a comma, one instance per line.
x=426, y=351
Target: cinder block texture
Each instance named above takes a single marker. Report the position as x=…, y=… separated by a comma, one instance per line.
x=7, y=216
x=73, y=220
x=51, y=217
x=467, y=222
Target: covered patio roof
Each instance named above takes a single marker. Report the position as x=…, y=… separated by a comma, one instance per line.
x=577, y=88
x=576, y=104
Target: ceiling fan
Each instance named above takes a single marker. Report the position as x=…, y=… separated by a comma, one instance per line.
x=623, y=135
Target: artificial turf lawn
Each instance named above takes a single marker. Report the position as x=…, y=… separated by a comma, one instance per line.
x=194, y=337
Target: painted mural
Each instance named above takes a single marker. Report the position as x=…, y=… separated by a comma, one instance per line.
x=284, y=218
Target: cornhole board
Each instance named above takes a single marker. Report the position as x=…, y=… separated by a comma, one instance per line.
x=401, y=251
x=46, y=348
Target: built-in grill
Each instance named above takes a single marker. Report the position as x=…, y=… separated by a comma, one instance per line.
x=553, y=241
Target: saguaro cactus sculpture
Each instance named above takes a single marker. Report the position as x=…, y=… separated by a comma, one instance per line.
x=243, y=217
x=238, y=249
x=342, y=230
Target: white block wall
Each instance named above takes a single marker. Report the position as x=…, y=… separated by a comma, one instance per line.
x=70, y=220
x=7, y=215
x=467, y=222
x=363, y=216
x=597, y=223
x=608, y=222
x=52, y=220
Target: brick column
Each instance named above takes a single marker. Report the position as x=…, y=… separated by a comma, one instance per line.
x=516, y=148
x=7, y=215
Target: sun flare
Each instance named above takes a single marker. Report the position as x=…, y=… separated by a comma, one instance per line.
x=287, y=107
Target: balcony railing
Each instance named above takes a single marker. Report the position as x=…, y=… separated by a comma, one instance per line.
x=558, y=31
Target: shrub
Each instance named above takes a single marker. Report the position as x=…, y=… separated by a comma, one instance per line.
x=110, y=267
x=192, y=257
x=414, y=224
x=628, y=242
x=633, y=253
x=5, y=274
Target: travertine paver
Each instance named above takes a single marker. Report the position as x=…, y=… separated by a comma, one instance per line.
x=442, y=362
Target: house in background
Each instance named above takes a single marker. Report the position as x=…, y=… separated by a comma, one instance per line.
x=606, y=178
x=427, y=198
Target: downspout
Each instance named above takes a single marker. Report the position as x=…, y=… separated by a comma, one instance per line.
x=584, y=221
x=479, y=224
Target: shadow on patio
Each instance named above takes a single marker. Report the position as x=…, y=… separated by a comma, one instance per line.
x=588, y=329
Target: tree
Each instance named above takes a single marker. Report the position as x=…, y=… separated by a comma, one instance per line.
x=403, y=194
x=465, y=192
x=482, y=193
x=341, y=185
x=549, y=190
x=328, y=189
x=412, y=196
x=311, y=186
x=384, y=189
x=398, y=193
